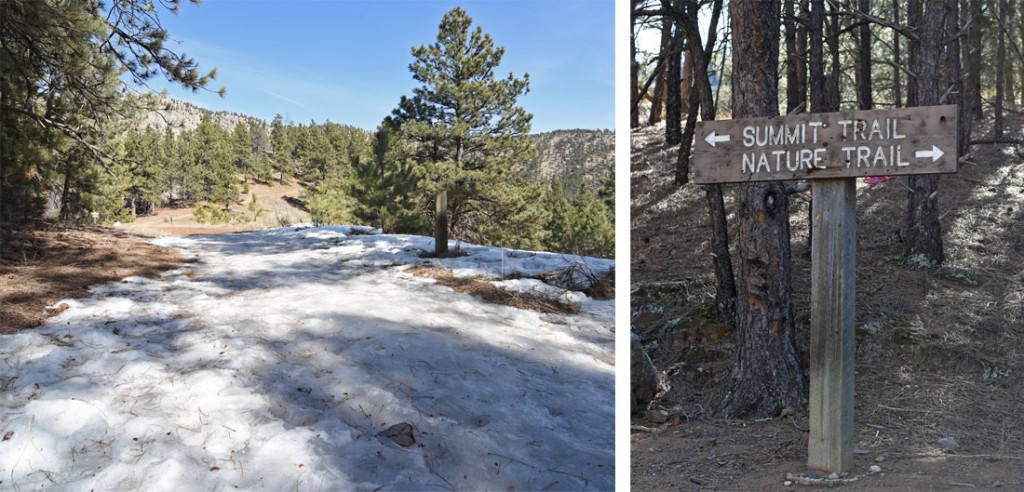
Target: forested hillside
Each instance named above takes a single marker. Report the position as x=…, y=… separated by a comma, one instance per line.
x=81, y=145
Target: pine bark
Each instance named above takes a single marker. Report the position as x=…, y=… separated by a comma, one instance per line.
x=864, y=88
x=997, y=128
x=768, y=375
x=673, y=100
x=924, y=232
x=897, y=72
x=973, y=54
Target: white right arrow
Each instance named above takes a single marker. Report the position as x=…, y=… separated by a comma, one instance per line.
x=713, y=139
x=935, y=153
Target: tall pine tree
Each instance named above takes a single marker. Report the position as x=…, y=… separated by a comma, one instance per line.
x=468, y=133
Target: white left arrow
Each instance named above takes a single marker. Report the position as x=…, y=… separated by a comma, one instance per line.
x=935, y=153
x=714, y=139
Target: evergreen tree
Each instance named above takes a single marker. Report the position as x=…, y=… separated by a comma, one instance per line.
x=582, y=225
x=282, y=143
x=212, y=162
x=59, y=72
x=385, y=185
x=468, y=133
x=241, y=147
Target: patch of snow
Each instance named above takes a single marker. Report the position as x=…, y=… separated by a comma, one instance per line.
x=275, y=359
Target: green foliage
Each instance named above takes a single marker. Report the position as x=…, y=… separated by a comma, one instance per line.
x=254, y=208
x=385, y=185
x=468, y=136
x=582, y=225
x=206, y=214
x=60, y=64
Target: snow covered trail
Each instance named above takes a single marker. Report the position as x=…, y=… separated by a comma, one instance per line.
x=276, y=360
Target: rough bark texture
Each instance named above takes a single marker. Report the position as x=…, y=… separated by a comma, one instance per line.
x=897, y=74
x=997, y=128
x=819, y=96
x=913, y=52
x=673, y=101
x=801, y=52
x=793, y=99
x=768, y=375
x=924, y=233
x=864, y=98
x=643, y=377
x=973, y=55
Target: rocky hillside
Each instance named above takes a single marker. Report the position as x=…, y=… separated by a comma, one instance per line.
x=575, y=155
x=181, y=115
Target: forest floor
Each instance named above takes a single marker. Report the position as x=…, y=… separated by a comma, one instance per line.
x=43, y=263
x=940, y=351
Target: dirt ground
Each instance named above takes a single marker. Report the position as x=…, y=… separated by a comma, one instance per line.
x=940, y=350
x=281, y=204
x=43, y=263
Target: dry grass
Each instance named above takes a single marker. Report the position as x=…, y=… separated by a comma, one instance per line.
x=42, y=263
x=482, y=288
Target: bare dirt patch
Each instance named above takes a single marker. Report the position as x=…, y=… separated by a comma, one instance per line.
x=42, y=263
x=939, y=349
x=482, y=288
x=280, y=203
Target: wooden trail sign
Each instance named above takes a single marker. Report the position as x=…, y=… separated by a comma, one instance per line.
x=889, y=142
x=833, y=149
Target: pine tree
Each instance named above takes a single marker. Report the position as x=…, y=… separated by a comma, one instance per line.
x=468, y=133
x=60, y=66
x=385, y=185
x=241, y=147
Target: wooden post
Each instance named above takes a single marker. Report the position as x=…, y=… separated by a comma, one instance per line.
x=441, y=223
x=833, y=271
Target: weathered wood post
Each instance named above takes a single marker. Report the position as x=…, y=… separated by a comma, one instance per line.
x=833, y=272
x=833, y=149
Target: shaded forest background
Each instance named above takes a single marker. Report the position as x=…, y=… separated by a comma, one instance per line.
x=710, y=59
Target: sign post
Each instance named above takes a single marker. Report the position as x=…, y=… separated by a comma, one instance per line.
x=833, y=149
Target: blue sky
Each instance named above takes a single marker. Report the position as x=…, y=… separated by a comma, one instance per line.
x=347, y=60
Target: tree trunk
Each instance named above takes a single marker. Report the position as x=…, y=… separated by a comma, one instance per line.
x=634, y=69
x=833, y=49
x=819, y=95
x=660, y=86
x=913, y=52
x=673, y=101
x=924, y=233
x=793, y=99
x=864, y=96
x=768, y=375
x=801, y=53
x=897, y=73
x=976, y=41
x=997, y=128
x=441, y=223
x=725, y=282
x=698, y=88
